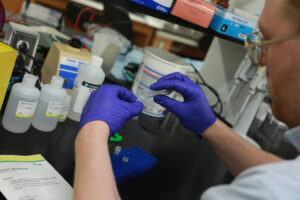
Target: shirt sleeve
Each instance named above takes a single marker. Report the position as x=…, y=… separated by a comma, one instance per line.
x=243, y=190
x=270, y=182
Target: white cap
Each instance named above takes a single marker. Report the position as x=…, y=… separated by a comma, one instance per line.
x=29, y=80
x=68, y=99
x=57, y=81
x=96, y=61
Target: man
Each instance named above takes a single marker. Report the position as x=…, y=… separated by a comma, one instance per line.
x=260, y=175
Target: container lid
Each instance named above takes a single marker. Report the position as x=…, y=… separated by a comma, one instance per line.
x=76, y=43
x=167, y=57
x=68, y=99
x=96, y=61
x=57, y=82
x=29, y=80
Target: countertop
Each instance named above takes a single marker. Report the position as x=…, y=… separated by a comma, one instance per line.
x=186, y=164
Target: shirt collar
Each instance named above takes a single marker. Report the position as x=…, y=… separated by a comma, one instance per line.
x=293, y=136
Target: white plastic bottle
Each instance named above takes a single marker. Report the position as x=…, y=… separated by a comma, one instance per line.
x=50, y=105
x=21, y=105
x=89, y=78
x=64, y=114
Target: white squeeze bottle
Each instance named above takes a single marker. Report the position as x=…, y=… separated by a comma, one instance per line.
x=50, y=105
x=89, y=78
x=65, y=110
x=21, y=105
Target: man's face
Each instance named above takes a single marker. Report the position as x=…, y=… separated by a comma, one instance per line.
x=282, y=61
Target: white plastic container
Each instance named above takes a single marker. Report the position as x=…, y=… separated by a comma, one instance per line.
x=107, y=44
x=21, y=105
x=65, y=111
x=156, y=64
x=50, y=105
x=89, y=78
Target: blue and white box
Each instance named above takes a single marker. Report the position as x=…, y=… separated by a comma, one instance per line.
x=159, y=5
x=231, y=24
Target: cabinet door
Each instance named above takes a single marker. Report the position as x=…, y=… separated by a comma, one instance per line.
x=59, y=5
x=11, y=5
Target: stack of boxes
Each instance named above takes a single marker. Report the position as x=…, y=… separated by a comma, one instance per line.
x=204, y=14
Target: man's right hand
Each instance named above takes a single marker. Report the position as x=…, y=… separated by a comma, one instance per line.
x=194, y=113
x=112, y=104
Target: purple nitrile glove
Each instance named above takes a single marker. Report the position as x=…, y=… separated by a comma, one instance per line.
x=112, y=104
x=194, y=113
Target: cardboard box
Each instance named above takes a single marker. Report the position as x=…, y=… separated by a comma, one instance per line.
x=159, y=5
x=196, y=11
x=65, y=61
x=8, y=57
x=231, y=24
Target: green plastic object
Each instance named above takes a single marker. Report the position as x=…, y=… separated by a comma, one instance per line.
x=116, y=138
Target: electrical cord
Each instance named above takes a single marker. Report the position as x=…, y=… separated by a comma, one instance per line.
x=36, y=67
x=125, y=76
x=128, y=50
x=79, y=16
x=98, y=27
x=14, y=20
x=17, y=11
x=214, y=91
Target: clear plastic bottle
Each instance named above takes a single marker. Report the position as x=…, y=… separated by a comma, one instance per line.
x=89, y=78
x=64, y=114
x=21, y=105
x=50, y=105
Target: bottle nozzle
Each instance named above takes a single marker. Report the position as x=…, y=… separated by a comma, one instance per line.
x=29, y=80
x=96, y=61
x=57, y=81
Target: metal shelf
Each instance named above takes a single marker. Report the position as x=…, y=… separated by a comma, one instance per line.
x=133, y=7
x=134, y=10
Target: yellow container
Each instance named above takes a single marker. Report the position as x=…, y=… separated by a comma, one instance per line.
x=8, y=57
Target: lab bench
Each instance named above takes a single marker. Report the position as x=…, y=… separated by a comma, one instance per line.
x=186, y=165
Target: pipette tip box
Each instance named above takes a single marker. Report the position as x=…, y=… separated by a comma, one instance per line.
x=138, y=163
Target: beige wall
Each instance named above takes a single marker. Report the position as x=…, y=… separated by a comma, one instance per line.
x=12, y=5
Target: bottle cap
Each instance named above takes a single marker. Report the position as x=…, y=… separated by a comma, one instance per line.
x=57, y=81
x=29, y=80
x=68, y=99
x=76, y=43
x=96, y=61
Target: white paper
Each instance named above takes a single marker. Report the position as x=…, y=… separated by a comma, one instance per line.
x=26, y=109
x=32, y=178
x=54, y=109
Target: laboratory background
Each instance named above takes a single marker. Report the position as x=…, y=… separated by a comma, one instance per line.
x=55, y=53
